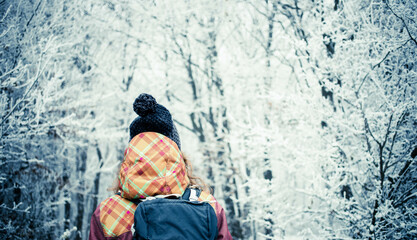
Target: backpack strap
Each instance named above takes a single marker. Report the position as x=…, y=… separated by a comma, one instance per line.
x=191, y=194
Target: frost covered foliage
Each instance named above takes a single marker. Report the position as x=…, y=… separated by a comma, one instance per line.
x=300, y=114
x=48, y=121
x=365, y=64
x=30, y=172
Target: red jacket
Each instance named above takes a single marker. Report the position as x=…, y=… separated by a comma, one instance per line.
x=153, y=165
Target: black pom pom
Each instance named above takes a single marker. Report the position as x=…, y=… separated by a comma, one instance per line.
x=144, y=104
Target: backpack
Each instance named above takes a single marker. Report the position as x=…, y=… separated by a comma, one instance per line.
x=175, y=217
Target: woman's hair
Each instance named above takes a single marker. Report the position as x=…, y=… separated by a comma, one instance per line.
x=194, y=180
x=115, y=186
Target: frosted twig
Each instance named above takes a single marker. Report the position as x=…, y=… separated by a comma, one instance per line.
x=378, y=65
x=68, y=233
x=34, y=13
x=7, y=13
x=28, y=161
x=15, y=207
x=40, y=71
x=5, y=32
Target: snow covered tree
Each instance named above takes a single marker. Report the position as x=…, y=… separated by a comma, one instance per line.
x=301, y=114
x=362, y=55
x=48, y=115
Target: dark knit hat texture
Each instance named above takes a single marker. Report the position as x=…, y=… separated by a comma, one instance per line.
x=153, y=117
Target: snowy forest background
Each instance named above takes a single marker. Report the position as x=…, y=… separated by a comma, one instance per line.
x=301, y=114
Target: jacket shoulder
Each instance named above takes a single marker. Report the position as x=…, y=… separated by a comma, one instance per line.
x=207, y=197
x=116, y=216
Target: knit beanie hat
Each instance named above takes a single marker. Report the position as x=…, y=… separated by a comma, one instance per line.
x=153, y=117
